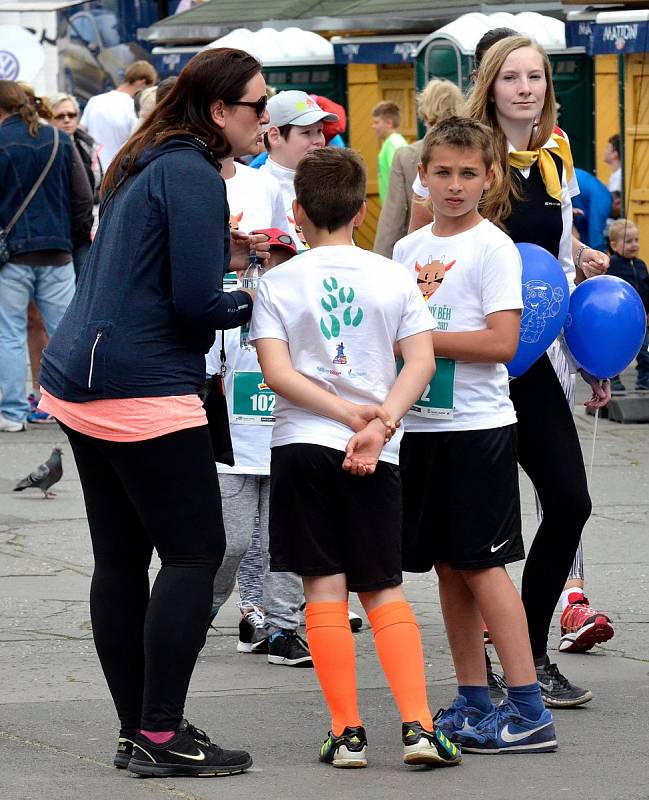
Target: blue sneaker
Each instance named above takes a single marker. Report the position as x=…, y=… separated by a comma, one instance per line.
x=506, y=731
x=458, y=717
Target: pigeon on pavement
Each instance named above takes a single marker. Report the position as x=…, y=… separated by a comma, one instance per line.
x=44, y=476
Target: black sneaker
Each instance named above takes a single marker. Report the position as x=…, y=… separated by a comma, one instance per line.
x=189, y=753
x=355, y=622
x=288, y=649
x=432, y=748
x=556, y=689
x=253, y=636
x=124, y=748
x=348, y=750
x=496, y=683
x=617, y=387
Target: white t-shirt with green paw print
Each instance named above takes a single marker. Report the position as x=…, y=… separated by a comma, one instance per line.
x=341, y=309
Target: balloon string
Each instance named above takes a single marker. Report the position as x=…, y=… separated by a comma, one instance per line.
x=592, y=450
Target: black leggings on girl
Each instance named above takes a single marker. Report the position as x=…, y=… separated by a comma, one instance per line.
x=550, y=453
x=161, y=493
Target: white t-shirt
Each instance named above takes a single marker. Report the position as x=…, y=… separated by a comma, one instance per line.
x=250, y=407
x=255, y=201
x=569, y=189
x=341, y=310
x=615, y=181
x=283, y=178
x=481, y=273
x=109, y=118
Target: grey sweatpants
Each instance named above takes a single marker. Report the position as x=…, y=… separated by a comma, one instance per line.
x=242, y=496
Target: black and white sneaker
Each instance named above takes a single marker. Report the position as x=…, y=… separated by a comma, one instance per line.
x=253, y=636
x=496, y=683
x=432, y=748
x=288, y=649
x=556, y=689
x=355, y=622
x=124, y=748
x=349, y=750
x=189, y=753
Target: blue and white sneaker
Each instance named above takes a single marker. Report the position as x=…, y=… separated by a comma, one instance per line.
x=458, y=717
x=506, y=731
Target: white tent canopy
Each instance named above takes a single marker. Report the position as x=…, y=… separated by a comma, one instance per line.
x=466, y=31
x=289, y=47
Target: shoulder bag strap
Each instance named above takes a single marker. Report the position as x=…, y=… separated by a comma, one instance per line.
x=37, y=185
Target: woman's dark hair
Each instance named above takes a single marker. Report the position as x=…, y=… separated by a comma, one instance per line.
x=220, y=73
x=490, y=38
x=13, y=100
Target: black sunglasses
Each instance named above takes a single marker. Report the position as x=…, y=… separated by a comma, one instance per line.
x=258, y=105
x=66, y=115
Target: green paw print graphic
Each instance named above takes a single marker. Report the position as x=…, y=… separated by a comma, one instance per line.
x=337, y=300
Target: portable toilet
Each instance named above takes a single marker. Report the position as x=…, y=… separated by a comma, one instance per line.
x=449, y=53
x=378, y=68
x=292, y=59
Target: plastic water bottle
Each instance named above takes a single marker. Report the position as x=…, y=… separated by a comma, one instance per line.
x=250, y=280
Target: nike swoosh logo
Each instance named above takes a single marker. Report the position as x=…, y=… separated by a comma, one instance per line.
x=497, y=547
x=506, y=736
x=199, y=757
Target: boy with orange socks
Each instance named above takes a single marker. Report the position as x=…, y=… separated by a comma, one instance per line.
x=325, y=325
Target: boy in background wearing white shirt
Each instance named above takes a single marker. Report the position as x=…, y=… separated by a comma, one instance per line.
x=460, y=438
x=295, y=129
x=325, y=326
x=271, y=629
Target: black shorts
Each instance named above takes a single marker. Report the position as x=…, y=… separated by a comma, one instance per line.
x=324, y=521
x=461, y=500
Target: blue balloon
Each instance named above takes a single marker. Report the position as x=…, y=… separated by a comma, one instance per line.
x=605, y=326
x=545, y=306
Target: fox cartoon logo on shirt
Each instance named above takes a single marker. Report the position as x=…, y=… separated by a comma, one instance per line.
x=430, y=275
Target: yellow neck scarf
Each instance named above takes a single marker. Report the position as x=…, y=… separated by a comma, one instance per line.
x=523, y=159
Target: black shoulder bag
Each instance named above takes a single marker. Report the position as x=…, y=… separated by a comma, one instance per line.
x=5, y=255
x=216, y=409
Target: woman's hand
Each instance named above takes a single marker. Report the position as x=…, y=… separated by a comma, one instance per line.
x=601, y=390
x=593, y=262
x=242, y=243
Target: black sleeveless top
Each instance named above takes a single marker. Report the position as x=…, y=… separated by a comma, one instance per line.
x=537, y=217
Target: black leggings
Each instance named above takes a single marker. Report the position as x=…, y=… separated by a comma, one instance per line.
x=161, y=493
x=550, y=453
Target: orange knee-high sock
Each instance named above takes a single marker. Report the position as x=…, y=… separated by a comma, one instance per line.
x=332, y=649
x=398, y=645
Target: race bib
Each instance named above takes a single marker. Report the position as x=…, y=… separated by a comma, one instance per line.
x=253, y=402
x=437, y=400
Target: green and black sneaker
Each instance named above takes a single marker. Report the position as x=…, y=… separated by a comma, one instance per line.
x=349, y=750
x=428, y=747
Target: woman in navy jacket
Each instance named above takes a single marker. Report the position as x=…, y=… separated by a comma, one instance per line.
x=121, y=375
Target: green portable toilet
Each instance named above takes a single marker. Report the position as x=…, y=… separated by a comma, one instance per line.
x=448, y=53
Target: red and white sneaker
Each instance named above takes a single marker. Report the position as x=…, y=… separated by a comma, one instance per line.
x=582, y=627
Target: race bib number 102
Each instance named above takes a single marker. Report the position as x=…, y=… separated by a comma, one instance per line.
x=253, y=401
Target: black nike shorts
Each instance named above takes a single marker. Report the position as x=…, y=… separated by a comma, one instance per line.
x=461, y=503
x=324, y=521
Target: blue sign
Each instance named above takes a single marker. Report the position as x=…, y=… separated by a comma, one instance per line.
x=375, y=52
x=618, y=38
x=579, y=33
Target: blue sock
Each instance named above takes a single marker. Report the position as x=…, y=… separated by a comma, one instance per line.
x=527, y=700
x=477, y=697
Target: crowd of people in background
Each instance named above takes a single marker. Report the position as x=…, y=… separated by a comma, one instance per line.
x=192, y=174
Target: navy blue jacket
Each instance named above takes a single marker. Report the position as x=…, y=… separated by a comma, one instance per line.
x=150, y=296
x=633, y=271
x=45, y=224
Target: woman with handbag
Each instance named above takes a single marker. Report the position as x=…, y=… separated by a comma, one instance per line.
x=122, y=373
x=44, y=196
